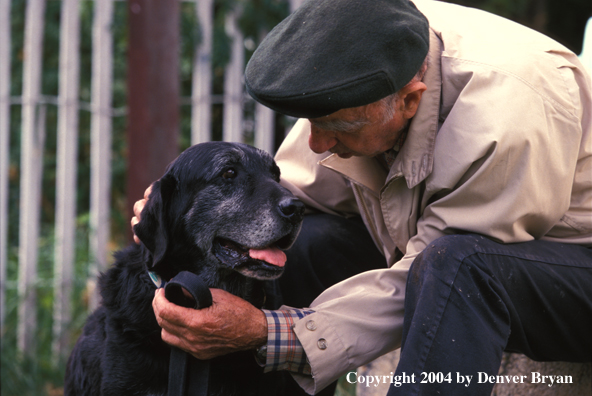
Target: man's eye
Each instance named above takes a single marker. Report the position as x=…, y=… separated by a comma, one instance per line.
x=229, y=173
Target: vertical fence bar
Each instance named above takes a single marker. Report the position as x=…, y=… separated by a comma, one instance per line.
x=264, y=128
x=264, y=122
x=201, y=115
x=32, y=140
x=294, y=4
x=67, y=153
x=232, y=128
x=100, y=129
x=4, y=146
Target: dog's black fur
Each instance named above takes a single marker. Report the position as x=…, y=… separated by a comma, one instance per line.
x=215, y=201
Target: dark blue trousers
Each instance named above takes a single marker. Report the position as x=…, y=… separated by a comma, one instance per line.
x=468, y=299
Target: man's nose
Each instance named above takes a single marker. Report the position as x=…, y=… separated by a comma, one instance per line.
x=320, y=140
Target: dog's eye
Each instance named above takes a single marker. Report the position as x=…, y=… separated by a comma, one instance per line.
x=229, y=173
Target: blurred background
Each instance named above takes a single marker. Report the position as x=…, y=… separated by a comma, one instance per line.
x=96, y=98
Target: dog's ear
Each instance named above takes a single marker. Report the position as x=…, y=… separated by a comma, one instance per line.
x=154, y=226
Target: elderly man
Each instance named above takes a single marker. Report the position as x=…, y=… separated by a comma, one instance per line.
x=464, y=143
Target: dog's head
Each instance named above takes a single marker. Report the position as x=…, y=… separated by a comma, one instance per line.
x=219, y=208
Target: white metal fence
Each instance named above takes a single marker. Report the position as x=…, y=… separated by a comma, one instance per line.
x=33, y=110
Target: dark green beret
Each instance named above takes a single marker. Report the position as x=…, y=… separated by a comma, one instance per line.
x=334, y=54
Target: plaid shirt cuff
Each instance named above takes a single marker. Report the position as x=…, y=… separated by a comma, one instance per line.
x=284, y=351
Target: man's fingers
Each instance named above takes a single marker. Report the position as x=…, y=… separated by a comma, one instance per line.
x=138, y=207
x=171, y=339
x=229, y=325
x=134, y=222
x=184, y=344
x=147, y=192
x=171, y=316
x=177, y=327
x=163, y=308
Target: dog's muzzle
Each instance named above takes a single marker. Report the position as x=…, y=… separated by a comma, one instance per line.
x=266, y=263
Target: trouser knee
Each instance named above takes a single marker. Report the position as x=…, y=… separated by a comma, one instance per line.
x=443, y=257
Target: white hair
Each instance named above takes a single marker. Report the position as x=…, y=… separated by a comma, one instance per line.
x=387, y=105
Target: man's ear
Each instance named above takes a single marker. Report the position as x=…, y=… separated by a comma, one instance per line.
x=154, y=226
x=410, y=95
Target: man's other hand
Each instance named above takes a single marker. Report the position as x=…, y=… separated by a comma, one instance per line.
x=138, y=206
x=230, y=324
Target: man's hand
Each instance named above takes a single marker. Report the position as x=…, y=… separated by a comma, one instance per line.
x=138, y=206
x=231, y=324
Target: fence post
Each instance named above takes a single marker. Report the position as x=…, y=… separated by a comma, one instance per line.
x=201, y=115
x=4, y=147
x=153, y=92
x=100, y=129
x=233, y=82
x=294, y=4
x=264, y=123
x=67, y=153
x=32, y=141
x=264, y=128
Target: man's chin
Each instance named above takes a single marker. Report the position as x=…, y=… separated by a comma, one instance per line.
x=345, y=155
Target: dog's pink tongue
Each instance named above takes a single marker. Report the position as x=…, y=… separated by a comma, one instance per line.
x=271, y=255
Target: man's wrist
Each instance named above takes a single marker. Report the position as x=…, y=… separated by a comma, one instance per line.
x=261, y=335
x=283, y=350
x=254, y=332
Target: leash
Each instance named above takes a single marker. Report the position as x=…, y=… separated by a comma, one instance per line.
x=181, y=362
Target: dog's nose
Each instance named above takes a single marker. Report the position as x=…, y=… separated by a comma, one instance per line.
x=291, y=208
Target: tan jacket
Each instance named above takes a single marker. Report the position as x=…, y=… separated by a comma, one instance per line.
x=501, y=146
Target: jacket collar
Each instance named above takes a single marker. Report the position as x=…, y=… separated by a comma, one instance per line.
x=416, y=159
x=365, y=171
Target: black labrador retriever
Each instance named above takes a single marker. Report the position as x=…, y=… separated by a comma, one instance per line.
x=218, y=212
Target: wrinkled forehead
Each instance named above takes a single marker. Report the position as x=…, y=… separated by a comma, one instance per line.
x=345, y=120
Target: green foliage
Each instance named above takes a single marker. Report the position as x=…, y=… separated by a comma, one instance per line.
x=37, y=374
x=261, y=16
x=344, y=388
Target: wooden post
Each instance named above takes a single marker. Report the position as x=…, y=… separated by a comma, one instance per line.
x=32, y=142
x=4, y=146
x=67, y=155
x=100, y=130
x=264, y=128
x=294, y=4
x=201, y=117
x=153, y=92
x=233, y=82
x=264, y=122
